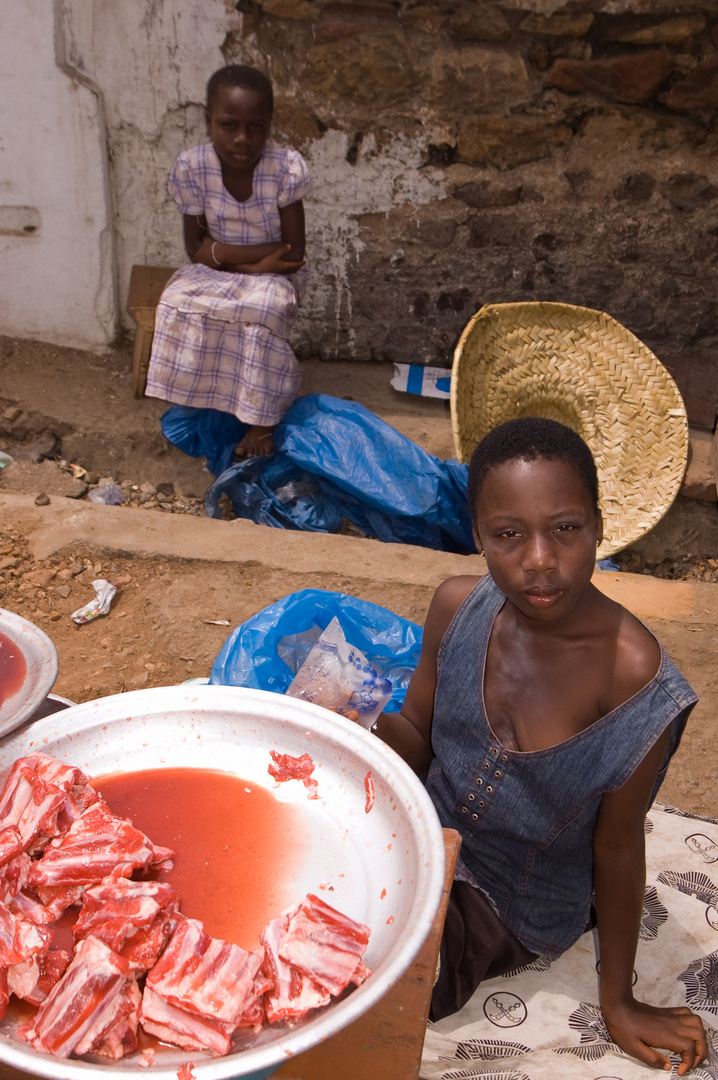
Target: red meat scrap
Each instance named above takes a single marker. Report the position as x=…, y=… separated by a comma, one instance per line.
x=11, y=844
x=370, y=793
x=30, y=909
x=13, y=876
x=325, y=945
x=20, y=939
x=285, y=767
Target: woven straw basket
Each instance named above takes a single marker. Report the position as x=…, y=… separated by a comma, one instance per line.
x=584, y=369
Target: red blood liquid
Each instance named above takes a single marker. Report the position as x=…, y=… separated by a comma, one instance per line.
x=237, y=848
x=13, y=668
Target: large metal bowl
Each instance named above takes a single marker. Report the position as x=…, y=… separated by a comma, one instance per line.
x=386, y=866
x=41, y=661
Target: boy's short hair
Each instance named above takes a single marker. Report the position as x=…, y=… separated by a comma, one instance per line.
x=240, y=75
x=528, y=438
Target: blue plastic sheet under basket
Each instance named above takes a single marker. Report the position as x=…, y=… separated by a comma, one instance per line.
x=266, y=651
x=335, y=460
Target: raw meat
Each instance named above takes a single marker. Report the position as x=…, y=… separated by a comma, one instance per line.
x=286, y=767
x=207, y=980
x=61, y=844
x=11, y=844
x=325, y=945
x=191, y=1031
x=370, y=795
x=133, y=917
x=20, y=939
x=83, y=1001
x=13, y=876
x=293, y=994
x=97, y=845
x=31, y=942
x=114, y=1033
x=52, y=966
x=30, y=909
x=36, y=792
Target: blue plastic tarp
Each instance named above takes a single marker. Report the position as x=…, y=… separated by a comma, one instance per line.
x=335, y=460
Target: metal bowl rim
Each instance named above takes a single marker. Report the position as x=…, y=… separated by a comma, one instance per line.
x=9, y=621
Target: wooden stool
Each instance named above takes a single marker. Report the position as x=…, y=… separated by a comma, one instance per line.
x=386, y=1042
x=146, y=286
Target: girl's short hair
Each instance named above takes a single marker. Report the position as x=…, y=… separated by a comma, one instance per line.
x=240, y=75
x=528, y=438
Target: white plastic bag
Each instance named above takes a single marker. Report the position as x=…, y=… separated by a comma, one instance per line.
x=339, y=677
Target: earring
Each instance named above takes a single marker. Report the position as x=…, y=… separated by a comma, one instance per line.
x=481, y=552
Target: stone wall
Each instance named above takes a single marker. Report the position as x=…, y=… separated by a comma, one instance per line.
x=466, y=152
x=462, y=151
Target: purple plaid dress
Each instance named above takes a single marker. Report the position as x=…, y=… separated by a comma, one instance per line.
x=220, y=339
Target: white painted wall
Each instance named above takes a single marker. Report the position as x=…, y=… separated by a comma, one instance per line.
x=98, y=100
x=57, y=282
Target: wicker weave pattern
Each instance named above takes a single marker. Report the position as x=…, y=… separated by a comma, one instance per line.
x=584, y=369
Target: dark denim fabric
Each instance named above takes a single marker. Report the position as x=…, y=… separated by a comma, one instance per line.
x=527, y=819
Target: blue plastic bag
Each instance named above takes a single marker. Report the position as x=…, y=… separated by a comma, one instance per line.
x=203, y=433
x=266, y=651
x=335, y=459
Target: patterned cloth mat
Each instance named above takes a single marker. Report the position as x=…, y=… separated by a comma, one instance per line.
x=542, y=1022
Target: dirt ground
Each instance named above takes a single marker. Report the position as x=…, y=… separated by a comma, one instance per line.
x=171, y=616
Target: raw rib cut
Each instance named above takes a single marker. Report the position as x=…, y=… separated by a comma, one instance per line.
x=206, y=978
x=292, y=994
x=83, y=999
x=135, y=918
x=325, y=945
x=98, y=844
x=189, y=1030
x=114, y=1033
x=41, y=798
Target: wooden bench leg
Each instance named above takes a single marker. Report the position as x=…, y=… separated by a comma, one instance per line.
x=141, y=360
x=386, y=1042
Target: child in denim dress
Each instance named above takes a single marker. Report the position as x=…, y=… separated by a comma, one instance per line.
x=546, y=716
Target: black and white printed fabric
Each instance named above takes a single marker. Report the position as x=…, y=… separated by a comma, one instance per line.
x=544, y=1021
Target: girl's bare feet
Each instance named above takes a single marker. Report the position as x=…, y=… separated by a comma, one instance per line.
x=257, y=442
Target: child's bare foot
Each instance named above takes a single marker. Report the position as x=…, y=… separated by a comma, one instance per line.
x=258, y=441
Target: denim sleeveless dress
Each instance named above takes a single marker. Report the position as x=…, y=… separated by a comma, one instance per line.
x=527, y=819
